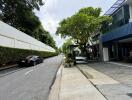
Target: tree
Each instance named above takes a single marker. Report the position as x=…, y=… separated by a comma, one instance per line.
x=65, y=46
x=51, y=42
x=86, y=22
x=33, y=4
x=90, y=11
x=19, y=14
x=46, y=38
x=60, y=50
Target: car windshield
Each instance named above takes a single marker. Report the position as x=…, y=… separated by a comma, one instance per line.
x=28, y=57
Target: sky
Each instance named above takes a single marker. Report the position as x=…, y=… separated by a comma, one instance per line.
x=56, y=10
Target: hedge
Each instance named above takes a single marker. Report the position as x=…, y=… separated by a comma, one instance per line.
x=12, y=55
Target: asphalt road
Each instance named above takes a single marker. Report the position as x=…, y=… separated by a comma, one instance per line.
x=120, y=73
x=31, y=83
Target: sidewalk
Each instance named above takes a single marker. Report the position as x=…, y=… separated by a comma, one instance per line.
x=85, y=83
x=73, y=85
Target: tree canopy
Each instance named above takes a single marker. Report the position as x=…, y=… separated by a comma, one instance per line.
x=20, y=14
x=83, y=24
x=65, y=46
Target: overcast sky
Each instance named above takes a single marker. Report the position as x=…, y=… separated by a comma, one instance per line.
x=55, y=10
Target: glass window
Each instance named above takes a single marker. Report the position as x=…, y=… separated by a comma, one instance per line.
x=118, y=16
x=126, y=14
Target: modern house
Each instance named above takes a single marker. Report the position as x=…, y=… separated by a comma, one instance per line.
x=117, y=42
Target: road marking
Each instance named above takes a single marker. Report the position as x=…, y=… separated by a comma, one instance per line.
x=28, y=72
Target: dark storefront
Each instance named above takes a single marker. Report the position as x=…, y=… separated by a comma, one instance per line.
x=119, y=42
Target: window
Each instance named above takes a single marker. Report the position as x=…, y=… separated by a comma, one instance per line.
x=118, y=16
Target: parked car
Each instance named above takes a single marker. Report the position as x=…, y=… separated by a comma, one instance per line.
x=31, y=60
x=81, y=59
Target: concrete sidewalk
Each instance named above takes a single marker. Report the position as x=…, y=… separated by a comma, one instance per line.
x=85, y=83
x=74, y=85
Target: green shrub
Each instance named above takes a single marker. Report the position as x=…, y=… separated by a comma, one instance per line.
x=11, y=55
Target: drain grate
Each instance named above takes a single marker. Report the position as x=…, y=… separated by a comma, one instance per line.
x=129, y=94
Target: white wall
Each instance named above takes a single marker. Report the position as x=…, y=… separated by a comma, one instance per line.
x=105, y=54
x=11, y=37
x=130, y=10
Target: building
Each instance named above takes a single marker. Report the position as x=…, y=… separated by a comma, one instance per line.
x=117, y=42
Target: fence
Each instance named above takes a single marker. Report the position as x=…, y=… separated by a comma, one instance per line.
x=11, y=37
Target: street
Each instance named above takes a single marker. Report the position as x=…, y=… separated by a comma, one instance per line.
x=122, y=90
x=121, y=73
x=32, y=83
x=60, y=50
x=95, y=81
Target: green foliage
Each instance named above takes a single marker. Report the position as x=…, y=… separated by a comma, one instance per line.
x=83, y=24
x=46, y=38
x=90, y=11
x=59, y=50
x=8, y=55
x=105, y=21
x=65, y=46
x=19, y=14
x=34, y=4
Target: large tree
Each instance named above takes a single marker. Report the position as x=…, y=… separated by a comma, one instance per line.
x=83, y=24
x=20, y=14
x=66, y=46
x=46, y=38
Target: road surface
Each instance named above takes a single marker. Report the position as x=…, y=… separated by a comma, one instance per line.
x=31, y=83
x=120, y=73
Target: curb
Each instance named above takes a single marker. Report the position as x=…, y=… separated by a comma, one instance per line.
x=55, y=88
